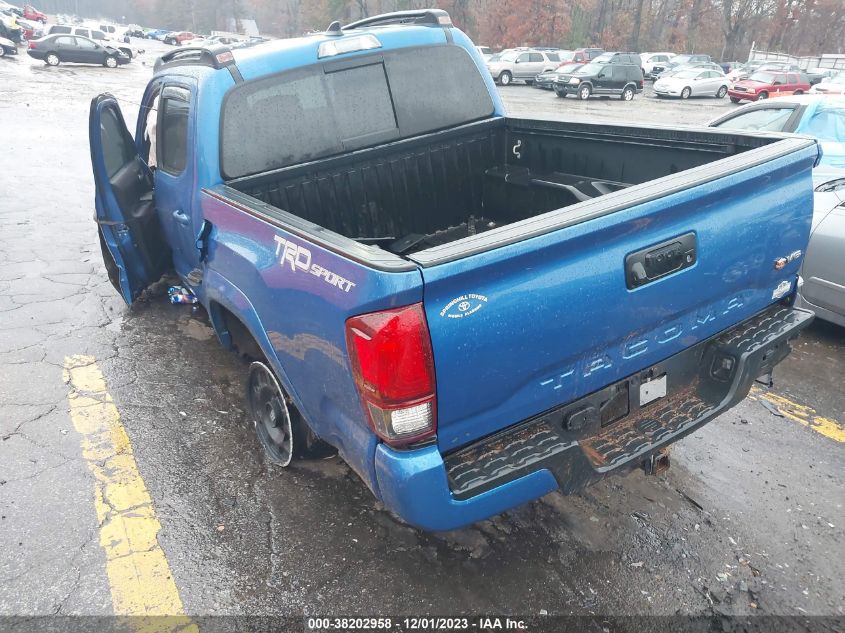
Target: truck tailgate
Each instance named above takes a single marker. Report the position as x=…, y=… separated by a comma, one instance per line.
x=545, y=311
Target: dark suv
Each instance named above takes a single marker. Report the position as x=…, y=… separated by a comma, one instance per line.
x=597, y=79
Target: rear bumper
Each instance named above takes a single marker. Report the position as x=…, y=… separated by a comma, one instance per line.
x=571, y=446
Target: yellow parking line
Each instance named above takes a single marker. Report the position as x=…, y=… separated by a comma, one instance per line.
x=802, y=414
x=139, y=576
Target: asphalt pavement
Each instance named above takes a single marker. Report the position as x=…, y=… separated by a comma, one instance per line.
x=748, y=520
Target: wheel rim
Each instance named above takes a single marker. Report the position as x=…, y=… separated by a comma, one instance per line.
x=506, y=79
x=763, y=95
x=52, y=60
x=111, y=62
x=585, y=92
x=270, y=414
x=685, y=93
x=629, y=94
x=722, y=92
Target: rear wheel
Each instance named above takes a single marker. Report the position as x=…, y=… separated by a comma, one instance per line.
x=280, y=427
x=763, y=95
x=627, y=94
x=505, y=78
x=685, y=93
x=720, y=94
x=111, y=62
x=51, y=59
x=584, y=92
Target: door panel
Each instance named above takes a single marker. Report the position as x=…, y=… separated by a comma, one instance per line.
x=174, y=189
x=128, y=225
x=823, y=270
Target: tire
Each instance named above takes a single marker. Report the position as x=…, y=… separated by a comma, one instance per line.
x=763, y=96
x=584, y=92
x=505, y=78
x=110, y=62
x=562, y=95
x=170, y=41
x=2, y=52
x=798, y=92
x=734, y=100
x=686, y=92
x=529, y=82
x=52, y=59
x=278, y=424
x=127, y=52
x=627, y=94
x=723, y=90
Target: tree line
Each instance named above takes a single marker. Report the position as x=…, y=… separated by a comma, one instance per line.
x=725, y=29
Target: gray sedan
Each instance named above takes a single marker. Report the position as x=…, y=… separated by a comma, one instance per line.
x=693, y=83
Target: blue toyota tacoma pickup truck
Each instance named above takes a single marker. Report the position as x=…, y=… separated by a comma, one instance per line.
x=473, y=309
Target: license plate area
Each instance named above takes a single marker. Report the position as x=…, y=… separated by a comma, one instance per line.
x=652, y=390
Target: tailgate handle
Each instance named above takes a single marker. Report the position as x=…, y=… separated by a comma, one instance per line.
x=659, y=260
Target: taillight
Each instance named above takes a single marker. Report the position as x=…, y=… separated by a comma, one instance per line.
x=31, y=44
x=393, y=366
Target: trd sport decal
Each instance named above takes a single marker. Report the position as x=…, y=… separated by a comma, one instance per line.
x=299, y=259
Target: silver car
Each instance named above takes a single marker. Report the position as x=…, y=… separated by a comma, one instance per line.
x=693, y=82
x=521, y=64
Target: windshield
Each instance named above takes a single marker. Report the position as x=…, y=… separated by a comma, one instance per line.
x=495, y=57
x=603, y=58
x=686, y=74
x=838, y=80
x=590, y=69
x=680, y=60
x=569, y=68
x=509, y=56
x=765, y=78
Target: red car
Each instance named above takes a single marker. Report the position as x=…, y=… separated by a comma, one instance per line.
x=580, y=55
x=769, y=83
x=178, y=37
x=31, y=13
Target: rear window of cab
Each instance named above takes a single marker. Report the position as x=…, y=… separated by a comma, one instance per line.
x=341, y=105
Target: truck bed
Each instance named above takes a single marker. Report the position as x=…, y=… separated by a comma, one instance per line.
x=432, y=190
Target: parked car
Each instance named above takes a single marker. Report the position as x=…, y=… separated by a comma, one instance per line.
x=31, y=13
x=618, y=58
x=821, y=75
x=521, y=65
x=693, y=83
x=157, y=34
x=822, y=117
x=11, y=9
x=466, y=361
x=655, y=63
x=581, y=55
x=115, y=32
x=135, y=30
x=10, y=30
x=31, y=30
x=547, y=80
x=833, y=86
x=685, y=59
x=7, y=47
x=764, y=84
x=56, y=49
x=602, y=80
x=98, y=36
x=177, y=38
x=692, y=66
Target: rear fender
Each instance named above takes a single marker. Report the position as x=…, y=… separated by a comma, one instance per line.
x=358, y=445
